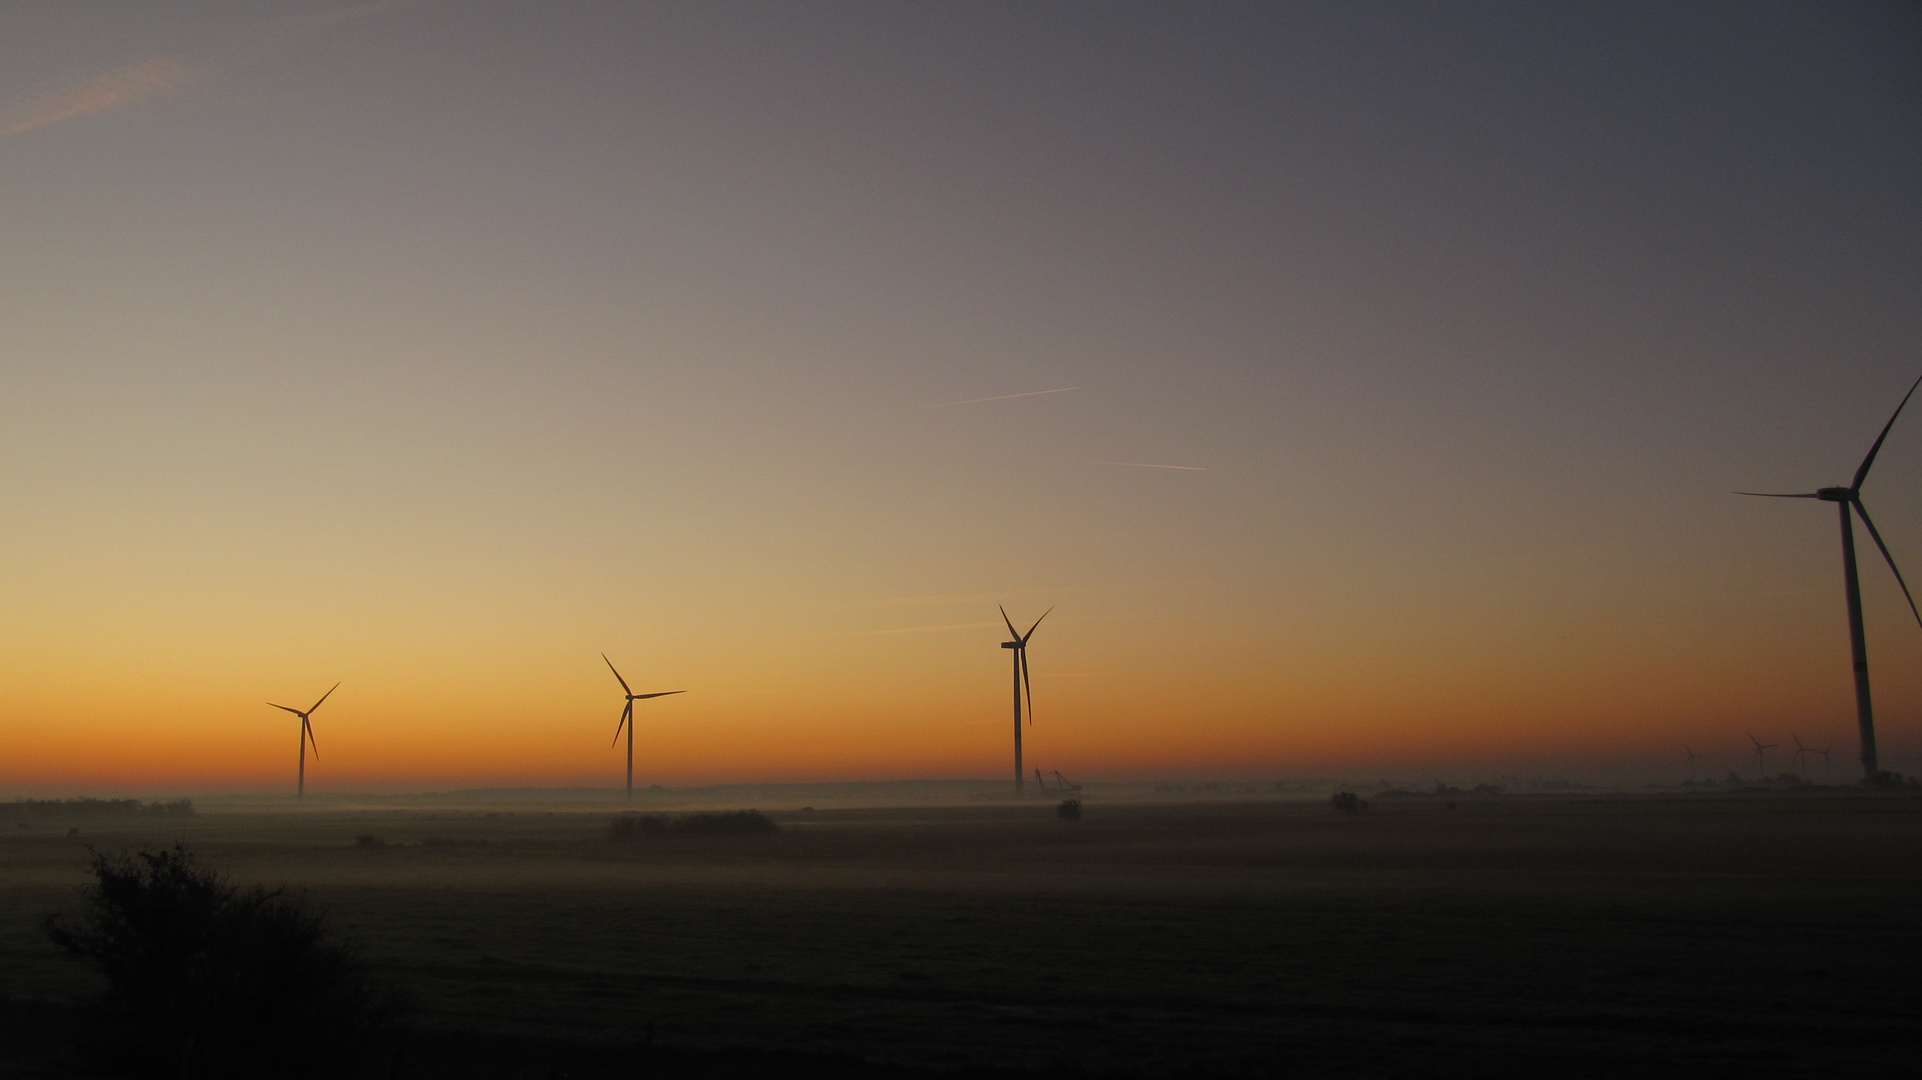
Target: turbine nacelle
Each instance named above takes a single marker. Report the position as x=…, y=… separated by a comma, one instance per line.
x=1835, y=494
x=1012, y=644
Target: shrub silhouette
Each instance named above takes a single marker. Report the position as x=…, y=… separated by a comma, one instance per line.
x=369, y=840
x=725, y=823
x=1069, y=810
x=206, y=979
x=1348, y=802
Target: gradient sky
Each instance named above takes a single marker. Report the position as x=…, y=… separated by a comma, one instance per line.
x=437, y=348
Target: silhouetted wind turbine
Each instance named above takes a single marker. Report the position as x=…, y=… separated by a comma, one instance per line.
x=1801, y=756
x=1692, y=758
x=627, y=719
x=1825, y=759
x=306, y=737
x=1845, y=498
x=1761, y=763
x=1020, y=647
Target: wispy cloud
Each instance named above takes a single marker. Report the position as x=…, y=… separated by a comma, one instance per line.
x=1002, y=397
x=942, y=628
x=1144, y=465
x=272, y=37
x=163, y=76
x=121, y=89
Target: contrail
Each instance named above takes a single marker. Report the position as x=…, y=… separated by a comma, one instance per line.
x=1143, y=465
x=1003, y=397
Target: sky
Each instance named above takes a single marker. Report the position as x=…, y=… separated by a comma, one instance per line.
x=1362, y=387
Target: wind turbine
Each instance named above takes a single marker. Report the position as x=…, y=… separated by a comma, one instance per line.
x=1761, y=762
x=627, y=719
x=1846, y=498
x=1825, y=759
x=1692, y=758
x=306, y=737
x=1020, y=647
x=1801, y=756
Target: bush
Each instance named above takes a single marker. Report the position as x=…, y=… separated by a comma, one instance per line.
x=1069, y=810
x=206, y=979
x=726, y=823
x=369, y=840
x=1348, y=802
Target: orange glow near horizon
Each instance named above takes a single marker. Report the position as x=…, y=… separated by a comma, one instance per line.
x=1366, y=402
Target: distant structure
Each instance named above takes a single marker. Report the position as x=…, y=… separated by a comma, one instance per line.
x=306, y=738
x=1801, y=756
x=1691, y=757
x=1826, y=747
x=627, y=719
x=1846, y=498
x=1761, y=760
x=1020, y=647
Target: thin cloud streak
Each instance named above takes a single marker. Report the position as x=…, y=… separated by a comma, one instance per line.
x=1143, y=465
x=121, y=89
x=284, y=32
x=1003, y=397
x=952, y=599
x=163, y=76
x=926, y=629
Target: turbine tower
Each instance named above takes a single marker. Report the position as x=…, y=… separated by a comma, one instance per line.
x=306, y=737
x=1848, y=501
x=1761, y=749
x=627, y=720
x=1020, y=647
x=1690, y=758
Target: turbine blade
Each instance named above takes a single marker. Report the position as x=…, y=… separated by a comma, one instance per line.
x=1774, y=495
x=325, y=696
x=664, y=693
x=1026, y=686
x=296, y=712
x=1890, y=559
x=1753, y=739
x=1012, y=632
x=309, y=729
x=1862, y=473
x=617, y=675
x=1030, y=633
x=627, y=715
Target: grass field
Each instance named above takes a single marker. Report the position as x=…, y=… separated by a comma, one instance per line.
x=1771, y=933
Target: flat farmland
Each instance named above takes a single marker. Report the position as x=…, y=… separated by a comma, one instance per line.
x=1777, y=933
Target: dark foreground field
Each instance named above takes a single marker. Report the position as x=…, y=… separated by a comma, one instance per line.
x=1768, y=934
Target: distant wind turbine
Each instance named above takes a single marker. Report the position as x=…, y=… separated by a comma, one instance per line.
x=1826, y=747
x=1845, y=498
x=306, y=738
x=627, y=719
x=1691, y=758
x=1801, y=756
x=1761, y=748
x=1020, y=647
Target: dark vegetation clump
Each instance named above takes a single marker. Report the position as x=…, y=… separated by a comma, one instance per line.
x=206, y=979
x=664, y=826
x=69, y=809
x=1069, y=810
x=1348, y=802
x=369, y=840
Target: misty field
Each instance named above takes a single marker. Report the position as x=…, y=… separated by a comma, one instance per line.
x=1776, y=933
